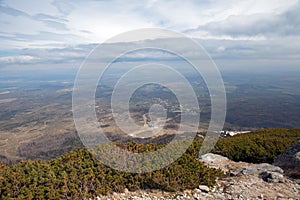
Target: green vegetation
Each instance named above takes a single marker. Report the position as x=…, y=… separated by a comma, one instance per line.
x=78, y=175
x=258, y=146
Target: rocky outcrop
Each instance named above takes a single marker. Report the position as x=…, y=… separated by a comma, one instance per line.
x=220, y=162
x=289, y=161
x=237, y=187
x=247, y=181
x=260, y=168
x=267, y=172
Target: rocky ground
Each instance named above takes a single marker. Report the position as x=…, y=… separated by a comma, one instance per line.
x=289, y=161
x=245, y=181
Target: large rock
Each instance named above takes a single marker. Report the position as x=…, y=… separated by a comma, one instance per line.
x=259, y=168
x=272, y=177
x=289, y=161
x=213, y=158
x=216, y=161
x=265, y=171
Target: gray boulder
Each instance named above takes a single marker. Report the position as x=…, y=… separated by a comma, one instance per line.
x=215, y=161
x=272, y=177
x=258, y=169
x=289, y=161
x=213, y=158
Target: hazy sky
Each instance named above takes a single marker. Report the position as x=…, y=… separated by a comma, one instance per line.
x=32, y=30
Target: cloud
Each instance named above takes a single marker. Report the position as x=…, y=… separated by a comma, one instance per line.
x=17, y=59
x=29, y=23
x=65, y=7
x=51, y=55
x=53, y=30
x=95, y=21
x=51, y=21
x=32, y=7
x=262, y=25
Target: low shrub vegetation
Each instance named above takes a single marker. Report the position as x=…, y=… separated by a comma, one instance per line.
x=258, y=146
x=78, y=175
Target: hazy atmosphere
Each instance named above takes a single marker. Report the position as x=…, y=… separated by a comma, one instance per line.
x=154, y=99
x=63, y=31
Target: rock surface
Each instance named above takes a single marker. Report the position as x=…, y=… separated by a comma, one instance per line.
x=221, y=162
x=204, y=188
x=272, y=177
x=251, y=181
x=289, y=161
x=259, y=168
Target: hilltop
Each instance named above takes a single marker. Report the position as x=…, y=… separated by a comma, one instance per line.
x=78, y=174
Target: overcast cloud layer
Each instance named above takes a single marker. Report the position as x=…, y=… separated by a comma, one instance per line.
x=68, y=30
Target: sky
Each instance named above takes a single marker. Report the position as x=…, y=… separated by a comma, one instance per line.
x=51, y=31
